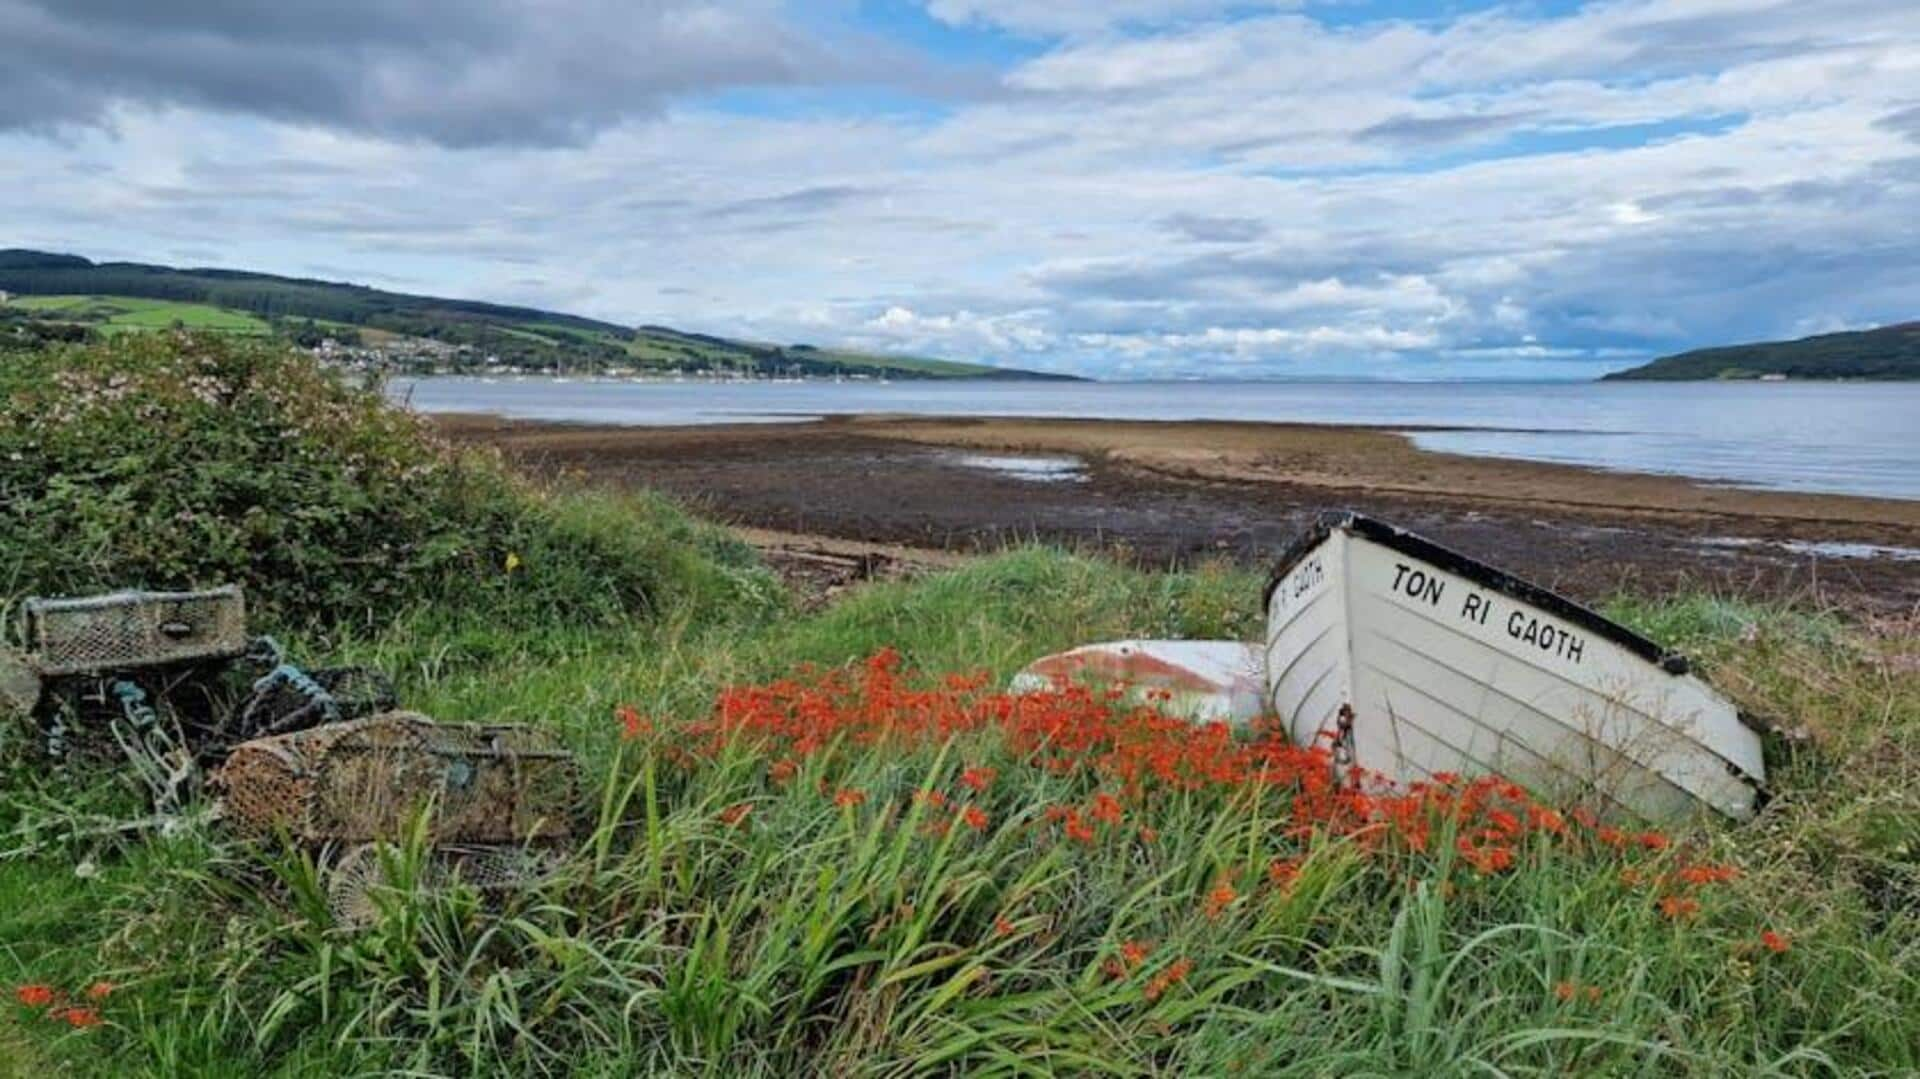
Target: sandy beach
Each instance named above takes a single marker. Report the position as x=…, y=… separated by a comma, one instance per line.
x=1176, y=492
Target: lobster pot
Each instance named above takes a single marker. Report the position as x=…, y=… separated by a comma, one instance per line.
x=134, y=629
x=365, y=781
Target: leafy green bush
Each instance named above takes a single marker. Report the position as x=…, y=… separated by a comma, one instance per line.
x=179, y=460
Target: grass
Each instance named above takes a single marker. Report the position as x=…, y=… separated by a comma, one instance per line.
x=116, y=314
x=810, y=937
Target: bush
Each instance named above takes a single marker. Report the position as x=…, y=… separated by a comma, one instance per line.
x=183, y=460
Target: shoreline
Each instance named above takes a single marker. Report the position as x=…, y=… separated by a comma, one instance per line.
x=1177, y=491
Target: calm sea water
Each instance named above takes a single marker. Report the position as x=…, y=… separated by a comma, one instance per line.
x=1854, y=438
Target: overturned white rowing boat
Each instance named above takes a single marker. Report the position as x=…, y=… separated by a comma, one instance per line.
x=1205, y=681
x=1417, y=660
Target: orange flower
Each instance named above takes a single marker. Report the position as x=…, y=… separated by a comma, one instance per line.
x=1283, y=873
x=978, y=779
x=81, y=1018
x=1678, y=907
x=783, y=770
x=36, y=996
x=1078, y=830
x=975, y=818
x=632, y=723
x=1776, y=942
x=1653, y=840
x=100, y=990
x=1106, y=808
x=1002, y=927
x=930, y=797
x=1134, y=953
x=1148, y=835
x=1220, y=898
x=1487, y=860
x=1708, y=874
x=734, y=814
x=1547, y=820
x=1565, y=991
x=1176, y=972
x=847, y=797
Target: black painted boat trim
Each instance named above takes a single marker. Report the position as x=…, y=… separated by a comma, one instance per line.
x=1415, y=546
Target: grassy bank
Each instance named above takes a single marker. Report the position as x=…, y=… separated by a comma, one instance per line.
x=823, y=844
x=839, y=923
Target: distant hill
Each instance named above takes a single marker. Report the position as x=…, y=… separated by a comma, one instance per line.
x=56, y=296
x=1890, y=352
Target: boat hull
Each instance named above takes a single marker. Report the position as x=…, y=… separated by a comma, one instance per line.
x=1419, y=661
x=1205, y=681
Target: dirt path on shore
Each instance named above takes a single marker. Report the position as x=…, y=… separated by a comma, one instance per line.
x=1166, y=493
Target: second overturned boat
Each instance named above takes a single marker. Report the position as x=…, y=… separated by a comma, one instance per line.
x=1417, y=660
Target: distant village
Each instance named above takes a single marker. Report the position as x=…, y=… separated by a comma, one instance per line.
x=421, y=356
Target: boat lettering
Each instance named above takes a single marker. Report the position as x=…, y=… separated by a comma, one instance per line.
x=1544, y=635
x=1307, y=577
x=1476, y=608
x=1417, y=583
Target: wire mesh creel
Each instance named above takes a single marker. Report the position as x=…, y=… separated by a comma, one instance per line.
x=126, y=630
x=365, y=780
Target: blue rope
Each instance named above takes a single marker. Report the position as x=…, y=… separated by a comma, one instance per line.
x=133, y=702
x=301, y=683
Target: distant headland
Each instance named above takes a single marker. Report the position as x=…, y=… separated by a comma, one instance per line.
x=1885, y=354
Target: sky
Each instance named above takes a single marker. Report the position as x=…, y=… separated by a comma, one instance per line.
x=1116, y=188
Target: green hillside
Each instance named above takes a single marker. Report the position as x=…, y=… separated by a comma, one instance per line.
x=680, y=350
x=66, y=297
x=1890, y=352
x=117, y=313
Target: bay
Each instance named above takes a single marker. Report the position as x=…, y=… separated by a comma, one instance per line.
x=1848, y=438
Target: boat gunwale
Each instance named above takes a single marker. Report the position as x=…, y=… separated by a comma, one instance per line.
x=1445, y=558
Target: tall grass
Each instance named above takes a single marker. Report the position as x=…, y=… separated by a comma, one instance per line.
x=809, y=933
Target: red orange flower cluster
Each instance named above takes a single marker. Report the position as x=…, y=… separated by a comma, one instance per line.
x=54, y=1004
x=1175, y=973
x=632, y=723
x=1679, y=907
x=1221, y=896
x=1567, y=992
x=1134, y=757
x=1133, y=955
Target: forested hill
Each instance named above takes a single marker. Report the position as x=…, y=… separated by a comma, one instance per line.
x=57, y=296
x=1890, y=352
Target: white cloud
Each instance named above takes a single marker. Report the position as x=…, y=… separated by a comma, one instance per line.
x=1263, y=191
x=1082, y=16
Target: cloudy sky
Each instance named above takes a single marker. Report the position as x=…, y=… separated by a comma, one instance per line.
x=1131, y=188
